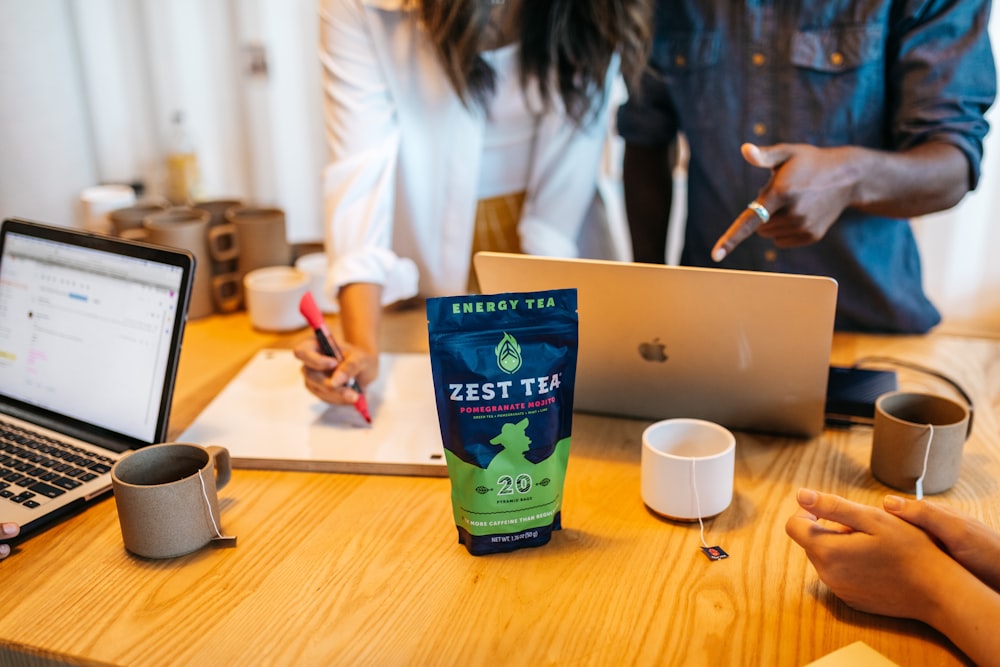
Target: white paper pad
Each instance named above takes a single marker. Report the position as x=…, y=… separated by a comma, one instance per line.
x=858, y=654
x=267, y=419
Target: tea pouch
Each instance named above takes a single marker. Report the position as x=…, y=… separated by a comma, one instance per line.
x=504, y=367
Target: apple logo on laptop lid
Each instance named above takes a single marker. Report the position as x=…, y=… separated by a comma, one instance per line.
x=654, y=350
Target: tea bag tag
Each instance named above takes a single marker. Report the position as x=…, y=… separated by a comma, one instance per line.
x=224, y=541
x=714, y=553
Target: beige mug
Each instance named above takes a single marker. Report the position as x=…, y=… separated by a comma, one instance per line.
x=127, y=222
x=217, y=208
x=254, y=237
x=687, y=468
x=167, y=498
x=917, y=441
x=227, y=286
x=187, y=228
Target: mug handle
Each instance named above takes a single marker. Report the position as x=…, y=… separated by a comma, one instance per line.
x=227, y=291
x=223, y=465
x=223, y=245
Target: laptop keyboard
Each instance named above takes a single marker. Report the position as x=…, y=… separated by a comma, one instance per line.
x=35, y=467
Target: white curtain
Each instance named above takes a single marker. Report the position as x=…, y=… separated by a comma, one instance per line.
x=244, y=73
x=961, y=247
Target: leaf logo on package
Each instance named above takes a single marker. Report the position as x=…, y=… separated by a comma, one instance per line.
x=508, y=354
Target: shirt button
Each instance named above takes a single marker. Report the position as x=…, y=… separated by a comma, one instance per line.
x=836, y=58
x=680, y=61
x=771, y=255
x=758, y=59
x=759, y=129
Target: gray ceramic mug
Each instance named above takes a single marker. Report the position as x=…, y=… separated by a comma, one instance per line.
x=167, y=498
x=918, y=436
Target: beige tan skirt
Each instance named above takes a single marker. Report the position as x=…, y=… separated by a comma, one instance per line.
x=496, y=228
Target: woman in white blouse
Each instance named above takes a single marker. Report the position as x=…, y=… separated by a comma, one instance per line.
x=456, y=126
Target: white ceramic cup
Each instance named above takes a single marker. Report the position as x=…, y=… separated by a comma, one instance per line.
x=272, y=296
x=97, y=201
x=687, y=468
x=315, y=264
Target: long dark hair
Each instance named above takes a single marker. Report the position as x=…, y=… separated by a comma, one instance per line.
x=574, y=39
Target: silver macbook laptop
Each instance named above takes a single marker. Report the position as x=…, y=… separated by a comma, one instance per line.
x=90, y=334
x=745, y=349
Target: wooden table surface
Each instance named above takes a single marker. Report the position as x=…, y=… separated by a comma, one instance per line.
x=335, y=569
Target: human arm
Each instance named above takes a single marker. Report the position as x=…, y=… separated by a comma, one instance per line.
x=811, y=187
x=973, y=544
x=878, y=563
x=647, y=181
x=8, y=531
x=939, y=80
x=362, y=129
x=361, y=317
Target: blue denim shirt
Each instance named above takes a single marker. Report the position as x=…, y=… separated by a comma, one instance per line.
x=884, y=74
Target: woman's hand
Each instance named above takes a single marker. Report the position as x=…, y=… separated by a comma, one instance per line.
x=973, y=544
x=327, y=380
x=870, y=559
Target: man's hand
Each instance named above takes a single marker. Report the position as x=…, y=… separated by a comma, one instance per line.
x=808, y=190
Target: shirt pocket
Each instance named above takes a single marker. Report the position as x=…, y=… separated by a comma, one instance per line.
x=833, y=50
x=689, y=65
x=840, y=70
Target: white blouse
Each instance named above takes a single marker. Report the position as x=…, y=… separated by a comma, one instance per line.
x=510, y=129
x=407, y=161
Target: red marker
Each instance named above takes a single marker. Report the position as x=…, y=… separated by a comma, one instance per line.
x=309, y=310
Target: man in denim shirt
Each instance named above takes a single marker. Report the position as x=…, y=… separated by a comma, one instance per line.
x=851, y=118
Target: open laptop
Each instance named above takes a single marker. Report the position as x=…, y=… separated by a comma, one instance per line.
x=90, y=334
x=745, y=349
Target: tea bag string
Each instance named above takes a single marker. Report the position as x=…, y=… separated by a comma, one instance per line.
x=208, y=506
x=697, y=504
x=927, y=453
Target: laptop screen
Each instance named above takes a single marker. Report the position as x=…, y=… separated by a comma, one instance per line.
x=88, y=333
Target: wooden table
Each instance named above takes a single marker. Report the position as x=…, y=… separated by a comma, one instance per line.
x=337, y=569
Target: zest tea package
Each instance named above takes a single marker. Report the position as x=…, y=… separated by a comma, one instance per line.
x=504, y=367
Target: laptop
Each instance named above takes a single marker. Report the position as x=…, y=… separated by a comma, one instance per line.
x=90, y=334
x=745, y=349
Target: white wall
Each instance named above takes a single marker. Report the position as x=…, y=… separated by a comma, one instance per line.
x=46, y=148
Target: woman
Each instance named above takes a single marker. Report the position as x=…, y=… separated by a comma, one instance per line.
x=456, y=126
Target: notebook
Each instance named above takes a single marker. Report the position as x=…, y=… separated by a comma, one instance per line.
x=268, y=420
x=90, y=334
x=745, y=349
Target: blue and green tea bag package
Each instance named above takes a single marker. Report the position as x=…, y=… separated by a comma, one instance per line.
x=504, y=367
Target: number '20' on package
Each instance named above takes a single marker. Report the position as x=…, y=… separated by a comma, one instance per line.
x=504, y=366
